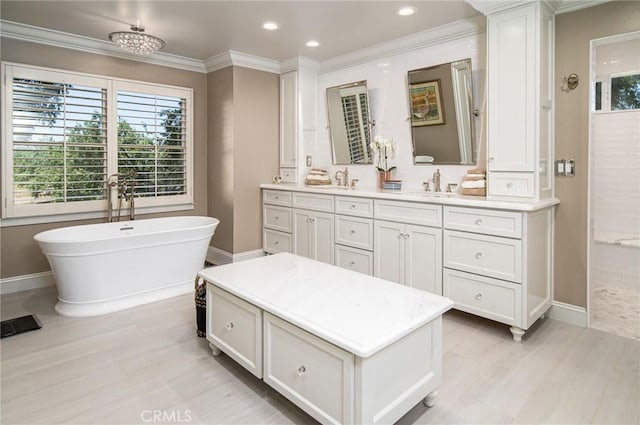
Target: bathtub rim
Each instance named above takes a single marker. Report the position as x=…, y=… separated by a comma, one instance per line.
x=41, y=236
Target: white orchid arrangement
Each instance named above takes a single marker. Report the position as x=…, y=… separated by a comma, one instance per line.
x=383, y=148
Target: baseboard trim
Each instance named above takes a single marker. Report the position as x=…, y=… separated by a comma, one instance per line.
x=25, y=282
x=219, y=257
x=569, y=313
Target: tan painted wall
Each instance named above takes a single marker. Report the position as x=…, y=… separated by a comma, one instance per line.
x=220, y=155
x=574, y=31
x=20, y=255
x=256, y=135
x=243, y=152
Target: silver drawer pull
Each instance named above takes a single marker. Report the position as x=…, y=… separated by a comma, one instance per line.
x=301, y=370
x=478, y=255
x=406, y=235
x=400, y=235
x=509, y=185
x=229, y=326
x=352, y=263
x=352, y=232
x=479, y=296
x=276, y=198
x=276, y=218
x=352, y=206
x=479, y=222
x=276, y=243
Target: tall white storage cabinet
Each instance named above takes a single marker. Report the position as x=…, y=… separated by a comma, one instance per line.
x=520, y=102
x=289, y=126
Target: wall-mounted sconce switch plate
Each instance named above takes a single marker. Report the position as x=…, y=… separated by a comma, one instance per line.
x=565, y=167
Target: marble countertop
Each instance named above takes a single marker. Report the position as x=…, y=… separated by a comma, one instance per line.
x=358, y=313
x=442, y=198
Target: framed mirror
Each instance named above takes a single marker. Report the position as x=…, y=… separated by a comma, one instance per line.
x=441, y=114
x=349, y=123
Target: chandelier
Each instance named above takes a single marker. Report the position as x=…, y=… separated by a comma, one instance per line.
x=135, y=41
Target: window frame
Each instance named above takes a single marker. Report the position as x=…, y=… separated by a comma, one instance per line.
x=11, y=214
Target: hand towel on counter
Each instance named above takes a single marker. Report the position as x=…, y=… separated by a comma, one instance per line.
x=474, y=184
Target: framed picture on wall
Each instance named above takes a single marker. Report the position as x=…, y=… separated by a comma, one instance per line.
x=426, y=103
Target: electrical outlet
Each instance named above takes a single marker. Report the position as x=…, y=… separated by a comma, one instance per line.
x=308, y=160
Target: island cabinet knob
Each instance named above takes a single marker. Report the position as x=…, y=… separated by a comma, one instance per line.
x=479, y=296
x=301, y=370
x=509, y=185
x=352, y=263
x=276, y=243
x=478, y=222
x=352, y=206
x=352, y=232
x=229, y=326
x=478, y=255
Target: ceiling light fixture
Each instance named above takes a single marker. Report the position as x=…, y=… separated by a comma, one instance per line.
x=406, y=11
x=135, y=41
x=270, y=26
x=312, y=43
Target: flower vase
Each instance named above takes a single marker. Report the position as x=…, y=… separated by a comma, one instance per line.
x=383, y=176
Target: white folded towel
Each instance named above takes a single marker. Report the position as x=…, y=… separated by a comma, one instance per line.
x=476, y=175
x=473, y=184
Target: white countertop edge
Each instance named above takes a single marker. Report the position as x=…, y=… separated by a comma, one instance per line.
x=321, y=332
x=398, y=195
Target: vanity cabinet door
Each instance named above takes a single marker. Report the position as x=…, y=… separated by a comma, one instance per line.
x=423, y=258
x=389, y=250
x=288, y=119
x=313, y=235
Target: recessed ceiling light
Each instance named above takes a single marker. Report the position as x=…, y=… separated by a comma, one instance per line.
x=312, y=43
x=406, y=11
x=270, y=26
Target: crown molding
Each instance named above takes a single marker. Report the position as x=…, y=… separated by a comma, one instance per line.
x=442, y=34
x=65, y=40
x=300, y=62
x=488, y=7
x=234, y=58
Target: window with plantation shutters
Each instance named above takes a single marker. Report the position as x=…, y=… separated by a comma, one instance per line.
x=65, y=134
x=152, y=142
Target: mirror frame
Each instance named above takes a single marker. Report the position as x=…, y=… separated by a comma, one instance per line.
x=461, y=77
x=367, y=129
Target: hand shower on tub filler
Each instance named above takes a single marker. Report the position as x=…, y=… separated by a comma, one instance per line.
x=124, y=184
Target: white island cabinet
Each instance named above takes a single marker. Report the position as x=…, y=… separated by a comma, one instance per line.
x=343, y=346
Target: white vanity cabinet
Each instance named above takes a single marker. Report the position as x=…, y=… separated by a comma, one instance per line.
x=354, y=234
x=277, y=221
x=406, y=251
x=313, y=224
x=520, y=100
x=497, y=264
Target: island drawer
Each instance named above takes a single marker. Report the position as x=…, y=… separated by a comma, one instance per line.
x=354, y=231
x=408, y=212
x=276, y=197
x=312, y=201
x=235, y=327
x=312, y=373
x=274, y=241
x=490, y=222
x=349, y=205
x=354, y=259
x=491, y=298
x=277, y=218
x=492, y=256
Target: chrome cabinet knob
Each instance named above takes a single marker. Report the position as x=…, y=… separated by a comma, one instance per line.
x=352, y=263
x=352, y=232
x=509, y=185
x=478, y=296
x=352, y=206
x=301, y=370
x=478, y=255
x=478, y=222
x=276, y=243
x=229, y=326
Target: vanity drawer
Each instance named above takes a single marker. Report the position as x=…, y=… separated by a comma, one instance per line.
x=289, y=175
x=486, y=255
x=354, y=259
x=519, y=185
x=348, y=205
x=491, y=298
x=274, y=241
x=490, y=222
x=276, y=197
x=354, y=231
x=408, y=212
x=315, y=375
x=235, y=327
x=312, y=201
x=276, y=218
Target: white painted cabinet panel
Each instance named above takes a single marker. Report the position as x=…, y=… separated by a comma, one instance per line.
x=288, y=119
x=358, y=260
x=389, y=251
x=313, y=235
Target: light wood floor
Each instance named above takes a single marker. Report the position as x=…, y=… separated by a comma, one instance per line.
x=120, y=368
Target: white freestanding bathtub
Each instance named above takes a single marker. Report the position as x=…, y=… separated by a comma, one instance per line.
x=102, y=268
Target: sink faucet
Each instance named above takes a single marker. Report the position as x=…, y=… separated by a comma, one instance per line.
x=342, y=177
